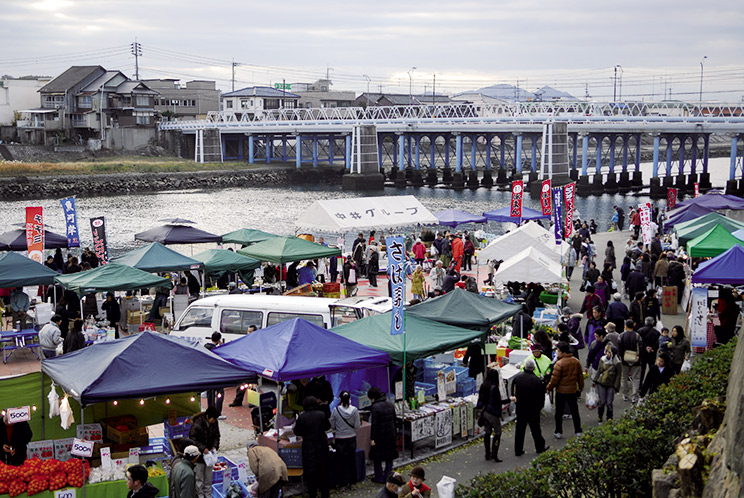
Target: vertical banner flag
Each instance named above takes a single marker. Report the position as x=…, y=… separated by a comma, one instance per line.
x=545, y=200
x=698, y=325
x=697, y=189
x=516, y=200
x=35, y=233
x=73, y=236
x=671, y=198
x=646, y=223
x=569, y=192
x=100, y=244
x=397, y=274
x=557, y=221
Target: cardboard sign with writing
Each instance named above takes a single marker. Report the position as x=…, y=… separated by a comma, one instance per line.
x=82, y=448
x=242, y=471
x=43, y=450
x=134, y=455
x=441, y=389
x=399, y=390
x=90, y=432
x=20, y=414
x=464, y=421
x=106, y=458
x=65, y=493
x=443, y=421
x=62, y=448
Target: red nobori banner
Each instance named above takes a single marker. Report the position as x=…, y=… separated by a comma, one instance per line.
x=671, y=198
x=516, y=200
x=35, y=233
x=697, y=189
x=545, y=198
x=569, y=193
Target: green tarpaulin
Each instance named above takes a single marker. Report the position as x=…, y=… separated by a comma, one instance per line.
x=423, y=337
x=715, y=241
x=465, y=309
x=694, y=228
x=218, y=261
x=17, y=271
x=287, y=249
x=247, y=236
x=155, y=257
x=110, y=277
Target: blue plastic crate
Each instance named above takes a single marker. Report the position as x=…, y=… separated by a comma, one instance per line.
x=219, y=475
x=461, y=373
x=429, y=389
x=217, y=490
x=181, y=429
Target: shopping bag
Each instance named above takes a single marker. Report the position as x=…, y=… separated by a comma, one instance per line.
x=352, y=277
x=65, y=414
x=548, y=406
x=446, y=487
x=592, y=398
x=53, y=402
x=210, y=458
x=686, y=366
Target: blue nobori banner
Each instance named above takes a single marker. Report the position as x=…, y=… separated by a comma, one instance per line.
x=73, y=236
x=396, y=253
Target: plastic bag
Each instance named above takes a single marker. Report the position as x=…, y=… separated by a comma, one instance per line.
x=686, y=366
x=65, y=414
x=446, y=487
x=592, y=398
x=548, y=406
x=210, y=458
x=53, y=402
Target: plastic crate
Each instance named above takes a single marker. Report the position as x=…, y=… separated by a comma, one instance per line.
x=219, y=475
x=461, y=373
x=181, y=429
x=429, y=389
x=217, y=490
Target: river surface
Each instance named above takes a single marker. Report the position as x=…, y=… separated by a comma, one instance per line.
x=276, y=209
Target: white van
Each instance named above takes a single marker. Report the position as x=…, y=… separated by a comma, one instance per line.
x=232, y=315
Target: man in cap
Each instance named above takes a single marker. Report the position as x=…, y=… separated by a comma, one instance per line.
x=415, y=488
x=542, y=362
x=393, y=485
x=529, y=395
x=182, y=479
x=617, y=311
x=269, y=469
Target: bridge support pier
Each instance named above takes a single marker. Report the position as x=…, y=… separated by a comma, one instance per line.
x=431, y=177
x=596, y=187
x=574, y=174
x=624, y=183
x=610, y=186
x=680, y=182
x=705, y=184
x=667, y=182
x=657, y=191
x=487, y=180
x=400, y=179
x=447, y=176
x=473, y=179
x=637, y=181
x=501, y=178
x=417, y=179
x=458, y=180
x=733, y=187
x=583, y=187
x=692, y=179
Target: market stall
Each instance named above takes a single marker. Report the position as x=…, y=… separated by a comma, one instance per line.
x=454, y=217
x=712, y=243
x=218, y=261
x=247, y=236
x=20, y=271
x=177, y=234
x=528, y=235
x=727, y=268
x=693, y=212
x=282, y=250
x=690, y=229
x=529, y=265
x=15, y=240
x=503, y=215
x=461, y=308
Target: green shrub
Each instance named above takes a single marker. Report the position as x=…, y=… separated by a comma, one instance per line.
x=616, y=459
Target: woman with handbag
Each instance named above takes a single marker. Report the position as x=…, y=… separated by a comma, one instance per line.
x=490, y=403
x=607, y=381
x=345, y=422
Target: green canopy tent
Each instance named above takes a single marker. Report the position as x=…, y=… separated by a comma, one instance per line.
x=218, y=261
x=155, y=257
x=715, y=241
x=284, y=250
x=694, y=228
x=423, y=337
x=247, y=236
x=461, y=308
x=19, y=271
x=110, y=277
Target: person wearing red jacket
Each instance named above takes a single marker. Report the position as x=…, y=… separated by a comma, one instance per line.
x=419, y=252
x=415, y=487
x=458, y=249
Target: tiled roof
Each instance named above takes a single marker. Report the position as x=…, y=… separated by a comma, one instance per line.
x=69, y=78
x=261, y=91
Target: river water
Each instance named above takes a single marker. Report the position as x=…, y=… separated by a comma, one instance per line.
x=276, y=209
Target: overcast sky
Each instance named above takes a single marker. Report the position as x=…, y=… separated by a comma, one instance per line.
x=571, y=46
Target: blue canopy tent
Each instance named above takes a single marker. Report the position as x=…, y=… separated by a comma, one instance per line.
x=134, y=367
x=177, y=234
x=691, y=213
x=297, y=349
x=714, y=200
x=739, y=234
x=19, y=271
x=453, y=217
x=504, y=215
x=726, y=268
x=15, y=240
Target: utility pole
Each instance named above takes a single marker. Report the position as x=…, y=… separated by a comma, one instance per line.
x=234, y=65
x=284, y=91
x=434, y=90
x=136, y=52
x=368, y=80
x=328, y=73
x=410, y=85
x=614, y=88
x=701, y=78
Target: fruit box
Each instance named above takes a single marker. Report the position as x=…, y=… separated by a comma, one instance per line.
x=124, y=430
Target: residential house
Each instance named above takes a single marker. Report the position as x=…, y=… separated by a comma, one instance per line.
x=16, y=95
x=319, y=94
x=398, y=99
x=190, y=101
x=255, y=100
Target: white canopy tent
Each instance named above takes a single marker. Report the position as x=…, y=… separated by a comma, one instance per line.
x=529, y=265
x=528, y=235
x=365, y=213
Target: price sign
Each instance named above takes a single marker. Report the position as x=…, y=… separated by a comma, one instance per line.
x=90, y=432
x=65, y=493
x=134, y=455
x=226, y=481
x=20, y=414
x=399, y=390
x=242, y=471
x=106, y=458
x=82, y=448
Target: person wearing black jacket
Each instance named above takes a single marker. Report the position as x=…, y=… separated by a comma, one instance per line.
x=522, y=323
x=473, y=359
x=311, y=426
x=13, y=441
x=383, y=435
x=75, y=339
x=649, y=346
x=658, y=375
x=491, y=404
x=205, y=432
x=528, y=392
x=373, y=266
x=138, y=485
x=113, y=311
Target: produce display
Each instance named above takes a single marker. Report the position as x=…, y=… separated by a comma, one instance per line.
x=37, y=475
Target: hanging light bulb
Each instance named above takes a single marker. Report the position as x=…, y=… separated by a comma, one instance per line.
x=116, y=402
x=193, y=399
x=167, y=401
x=142, y=402
x=219, y=395
x=33, y=407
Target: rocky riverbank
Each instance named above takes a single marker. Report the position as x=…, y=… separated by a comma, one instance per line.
x=34, y=187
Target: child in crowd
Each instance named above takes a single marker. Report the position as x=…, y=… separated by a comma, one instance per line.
x=664, y=341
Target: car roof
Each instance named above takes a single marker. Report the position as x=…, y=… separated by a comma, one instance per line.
x=263, y=301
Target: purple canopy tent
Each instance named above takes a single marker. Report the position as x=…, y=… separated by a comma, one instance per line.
x=15, y=240
x=177, y=234
x=504, y=215
x=690, y=213
x=714, y=200
x=453, y=217
x=726, y=268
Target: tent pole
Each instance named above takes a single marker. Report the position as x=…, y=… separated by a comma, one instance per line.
x=82, y=422
x=43, y=408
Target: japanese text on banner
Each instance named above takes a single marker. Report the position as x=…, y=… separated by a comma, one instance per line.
x=397, y=274
x=545, y=200
x=671, y=198
x=516, y=199
x=699, y=318
x=100, y=244
x=35, y=233
x=646, y=223
x=569, y=192
x=73, y=236
x=557, y=220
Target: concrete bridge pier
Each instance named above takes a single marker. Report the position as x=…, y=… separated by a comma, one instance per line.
x=692, y=179
x=574, y=175
x=668, y=182
x=637, y=181
x=367, y=176
x=458, y=180
x=583, y=186
x=597, y=185
x=447, y=176
x=501, y=178
x=680, y=183
x=431, y=177
x=473, y=179
x=657, y=191
x=487, y=180
x=400, y=179
x=735, y=187
x=610, y=185
x=417, y=178
x=624, y=184
x=705, y=184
